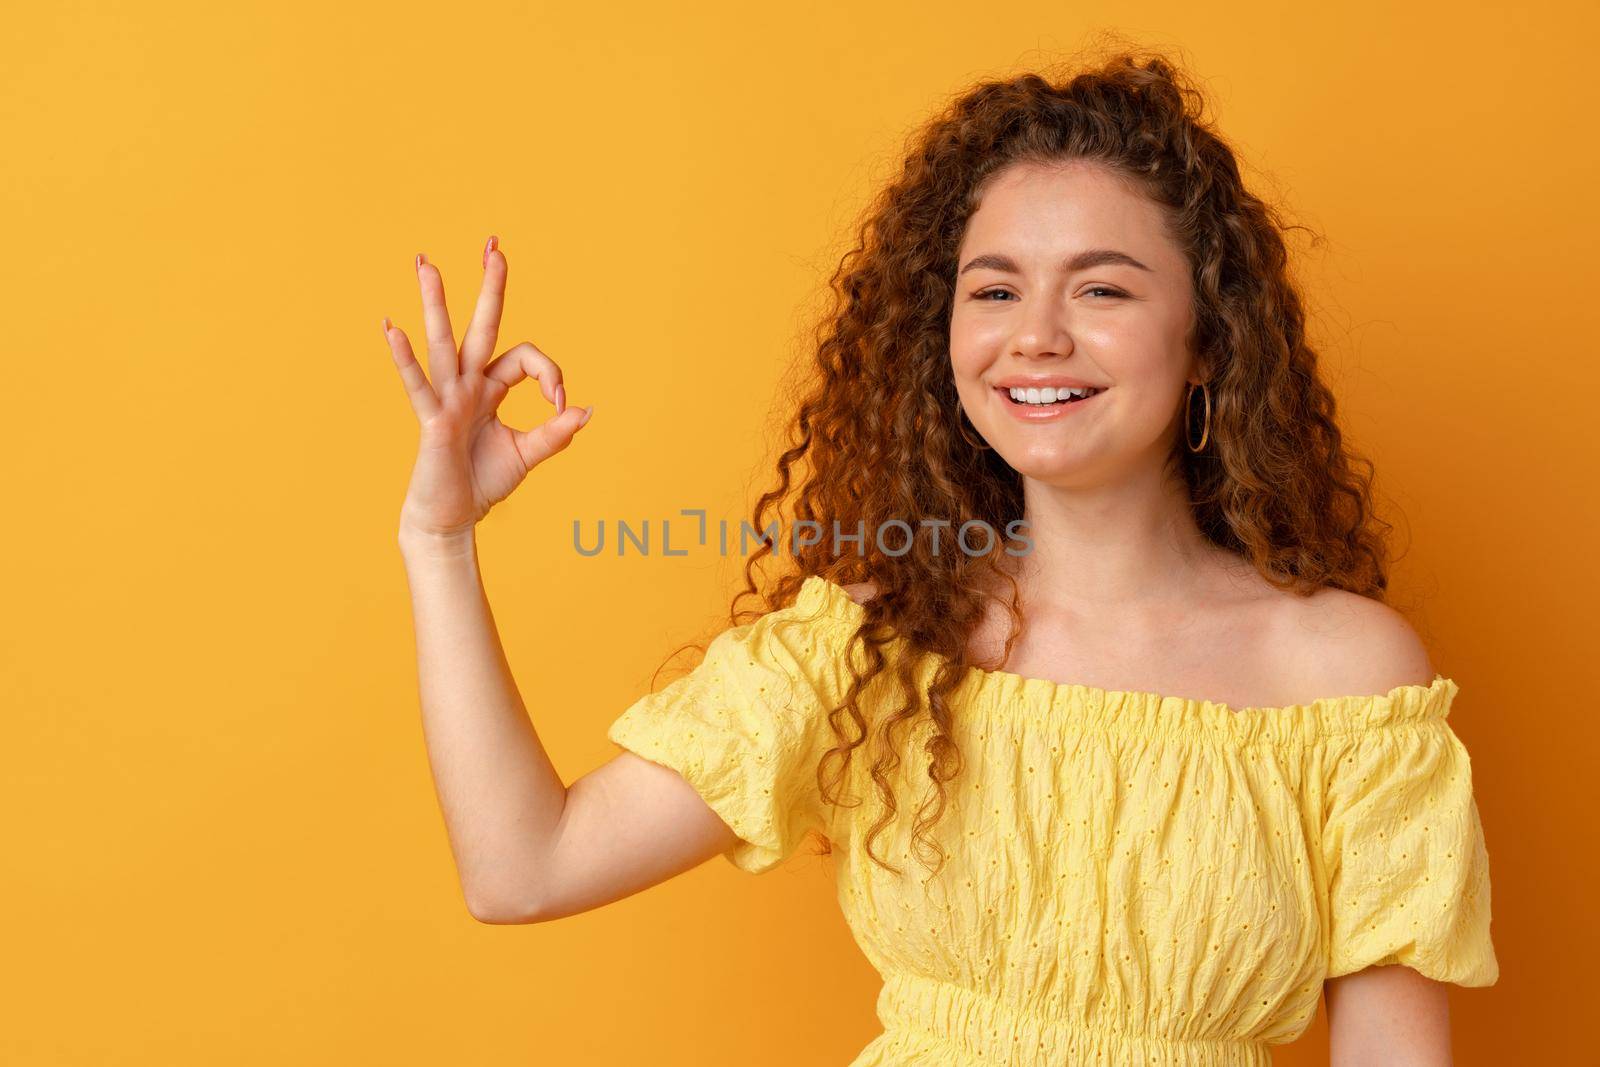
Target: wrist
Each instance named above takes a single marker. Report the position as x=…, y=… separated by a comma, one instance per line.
x=421, y=543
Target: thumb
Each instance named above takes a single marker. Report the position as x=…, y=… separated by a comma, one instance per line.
x=551, y=436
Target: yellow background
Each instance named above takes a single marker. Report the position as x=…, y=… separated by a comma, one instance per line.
x=222, y=843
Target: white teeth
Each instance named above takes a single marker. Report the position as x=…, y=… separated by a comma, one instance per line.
x=1047, y=395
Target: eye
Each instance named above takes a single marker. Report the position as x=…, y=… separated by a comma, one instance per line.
x=1114, y=294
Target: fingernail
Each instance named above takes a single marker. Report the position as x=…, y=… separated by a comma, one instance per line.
x=588, y=411
x=561, y=398
x=386, y=327
x=489, y=247
x=421, y=259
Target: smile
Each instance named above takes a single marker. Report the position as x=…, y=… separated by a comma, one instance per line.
x=1043, y=405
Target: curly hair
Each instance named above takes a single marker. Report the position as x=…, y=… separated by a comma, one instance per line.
x=876, y=425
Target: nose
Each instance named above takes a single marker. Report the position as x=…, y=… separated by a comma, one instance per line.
x=1042, y=330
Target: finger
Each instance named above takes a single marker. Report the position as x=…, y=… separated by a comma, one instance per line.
x=551, y=436
x=436, y=319
x=478, y=345
x=423, y=400
x=526, y=361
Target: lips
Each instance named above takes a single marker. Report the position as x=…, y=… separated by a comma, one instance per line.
x=1043, y=412
x=1005, y=392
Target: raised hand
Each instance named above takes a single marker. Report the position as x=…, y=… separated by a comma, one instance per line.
x=467, y=459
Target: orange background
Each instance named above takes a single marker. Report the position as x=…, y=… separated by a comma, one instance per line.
x=223, y=844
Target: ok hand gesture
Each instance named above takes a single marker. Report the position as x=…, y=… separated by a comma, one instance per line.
x=467, y=459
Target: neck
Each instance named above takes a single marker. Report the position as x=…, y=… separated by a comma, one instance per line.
x=1128, y=543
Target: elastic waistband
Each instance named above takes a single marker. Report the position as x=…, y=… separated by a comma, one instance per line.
x=989, y=1029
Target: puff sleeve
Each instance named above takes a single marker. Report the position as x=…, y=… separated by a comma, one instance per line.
x=1404, y=850
x=747, y=726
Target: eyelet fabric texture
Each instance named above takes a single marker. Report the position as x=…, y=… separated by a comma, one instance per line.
x=1130, y=876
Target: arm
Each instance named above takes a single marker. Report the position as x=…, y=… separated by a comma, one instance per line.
x=1390, y=1015
x=526, y=846
x=498, y=791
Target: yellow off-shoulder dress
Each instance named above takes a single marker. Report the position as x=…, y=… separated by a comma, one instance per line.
x=1131, y=878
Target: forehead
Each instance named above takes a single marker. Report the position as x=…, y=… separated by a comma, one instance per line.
x=1050, y=210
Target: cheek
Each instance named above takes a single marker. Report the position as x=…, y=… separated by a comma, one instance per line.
x=1126, y=336
x=1131, y=350
x=970, y=353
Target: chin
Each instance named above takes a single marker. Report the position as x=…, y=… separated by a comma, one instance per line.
x=1043, y=463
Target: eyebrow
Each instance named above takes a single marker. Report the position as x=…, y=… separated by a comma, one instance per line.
x=1092, y=257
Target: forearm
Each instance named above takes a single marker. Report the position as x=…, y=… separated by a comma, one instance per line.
x=500, y=794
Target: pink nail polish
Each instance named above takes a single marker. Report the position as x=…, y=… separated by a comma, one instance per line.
x=421, y=259
x=386, y=327
x=561, y=398
x=587, y=412
x=490, y=246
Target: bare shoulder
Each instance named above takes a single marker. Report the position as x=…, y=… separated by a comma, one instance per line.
x=1352, y=645
x=861, y=592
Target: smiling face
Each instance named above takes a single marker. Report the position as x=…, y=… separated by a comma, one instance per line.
x=1066, y=276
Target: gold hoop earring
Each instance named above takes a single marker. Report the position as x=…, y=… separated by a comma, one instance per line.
x=961, y=421
x=1205, y=432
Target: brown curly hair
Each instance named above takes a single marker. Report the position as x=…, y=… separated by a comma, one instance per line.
x=876, y=423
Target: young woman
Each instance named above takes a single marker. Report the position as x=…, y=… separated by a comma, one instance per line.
x=1134, y=792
